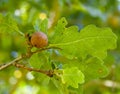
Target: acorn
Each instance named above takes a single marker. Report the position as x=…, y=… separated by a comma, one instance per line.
x=39, y=39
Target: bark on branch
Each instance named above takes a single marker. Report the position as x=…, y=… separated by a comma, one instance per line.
x=3, y=66
x=48, y=73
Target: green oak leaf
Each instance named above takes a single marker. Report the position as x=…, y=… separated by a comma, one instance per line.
x=41, y=78
x=58, y=31
x=72, y=77
x=91, y=40
x=94, y=68
x=41, y=25
x=9, y=25
x=35, y=61
x=40, y=60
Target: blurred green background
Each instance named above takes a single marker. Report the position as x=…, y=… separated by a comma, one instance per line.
x=102, y=13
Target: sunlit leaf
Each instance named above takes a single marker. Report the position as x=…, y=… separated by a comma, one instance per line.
x=94, y=68
x=72, y=76
x=41, y=25
x=91, y=40
x=9, y=25
x=35, y=61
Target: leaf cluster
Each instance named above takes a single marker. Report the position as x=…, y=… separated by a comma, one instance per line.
x=80, y=58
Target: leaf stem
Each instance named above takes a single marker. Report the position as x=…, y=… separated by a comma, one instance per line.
x=49, y=47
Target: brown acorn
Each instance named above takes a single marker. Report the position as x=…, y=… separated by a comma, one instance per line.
x=39, y=39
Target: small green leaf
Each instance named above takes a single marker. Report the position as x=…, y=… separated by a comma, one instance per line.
x=72, y=76
x=8, y=25
x=35, y=61
x=42, y=79
x=44, y=25
x=94, y=68
x=59, y=29
x=41, y=25
x=34, y=49
x=61, y=87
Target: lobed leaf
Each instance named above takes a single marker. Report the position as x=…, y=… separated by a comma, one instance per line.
x=72, y=76
x=35, y=61
x=91, y=40
x=41, y=25
x=9, y=25
x=58, y=32
x=40, y=60
x=94, y=68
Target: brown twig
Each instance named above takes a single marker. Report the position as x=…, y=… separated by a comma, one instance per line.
x=29, y=54
x=48, y=73
x=3, y=66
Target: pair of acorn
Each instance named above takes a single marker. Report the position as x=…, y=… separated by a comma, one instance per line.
x=39, y=39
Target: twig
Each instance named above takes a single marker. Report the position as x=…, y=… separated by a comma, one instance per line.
x=48, y=73
x=29, y=54
x=10, y=63
x=46, y=49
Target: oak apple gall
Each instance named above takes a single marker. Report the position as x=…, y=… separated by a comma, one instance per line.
x=39, y=39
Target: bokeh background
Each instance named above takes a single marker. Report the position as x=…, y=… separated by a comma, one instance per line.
x=102, y=13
